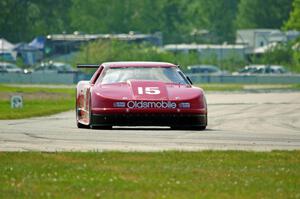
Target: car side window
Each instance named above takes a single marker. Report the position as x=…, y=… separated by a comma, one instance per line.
x=96, y=75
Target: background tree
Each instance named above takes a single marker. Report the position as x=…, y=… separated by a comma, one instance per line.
x=262, y=14
x=215, y=16
x=98, y=16
x=294, y=19
x=178, y=20
x=145, y=16
x=22, y=20
x=13, y=25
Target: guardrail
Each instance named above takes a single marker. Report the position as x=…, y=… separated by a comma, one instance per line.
x=246, y=79
x=73, y=78
x=43, y=78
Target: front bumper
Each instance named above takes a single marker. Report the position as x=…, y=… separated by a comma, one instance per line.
x=150, y=119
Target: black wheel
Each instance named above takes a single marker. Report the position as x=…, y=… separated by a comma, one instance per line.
x=82, y=126
x=102, y=127
x=201, y=128
x=179, y=127
x=79, y=125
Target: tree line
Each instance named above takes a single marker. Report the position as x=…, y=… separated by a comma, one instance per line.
x=213, y=21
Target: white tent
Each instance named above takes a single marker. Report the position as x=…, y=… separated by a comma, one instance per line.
x=7, y=48
x=5, y=45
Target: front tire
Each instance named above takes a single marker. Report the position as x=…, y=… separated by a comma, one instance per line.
x=82, y=126
x=200, y=128
x=102, y=127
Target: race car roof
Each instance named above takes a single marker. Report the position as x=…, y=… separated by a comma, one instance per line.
x=126, y=64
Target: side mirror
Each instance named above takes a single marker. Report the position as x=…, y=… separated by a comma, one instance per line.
x=189, y=80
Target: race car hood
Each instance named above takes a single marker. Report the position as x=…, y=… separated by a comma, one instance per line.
x=147, y=90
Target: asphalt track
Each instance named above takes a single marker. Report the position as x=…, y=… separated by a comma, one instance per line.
x=237, y=121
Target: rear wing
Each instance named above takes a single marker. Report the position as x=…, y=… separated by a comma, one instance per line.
x=88, y=65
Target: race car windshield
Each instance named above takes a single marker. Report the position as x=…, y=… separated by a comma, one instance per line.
x=164, y=74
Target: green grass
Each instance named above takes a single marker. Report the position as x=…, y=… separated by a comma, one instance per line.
x=221, y=87
x=296, y=86
x=21, y=89
x=248, y=87
x=205, y=174
x=37, y=101
x=35, y=108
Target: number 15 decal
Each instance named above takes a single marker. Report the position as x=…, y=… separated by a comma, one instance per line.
x=148, y=90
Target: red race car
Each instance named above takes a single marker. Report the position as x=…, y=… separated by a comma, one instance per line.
x=139, y=94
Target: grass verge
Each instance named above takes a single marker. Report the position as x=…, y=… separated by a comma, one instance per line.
x=221, y=87
x=29, y=89
x=249, y=87
x=207, y=174
x=37, y=101
x=34, y=108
